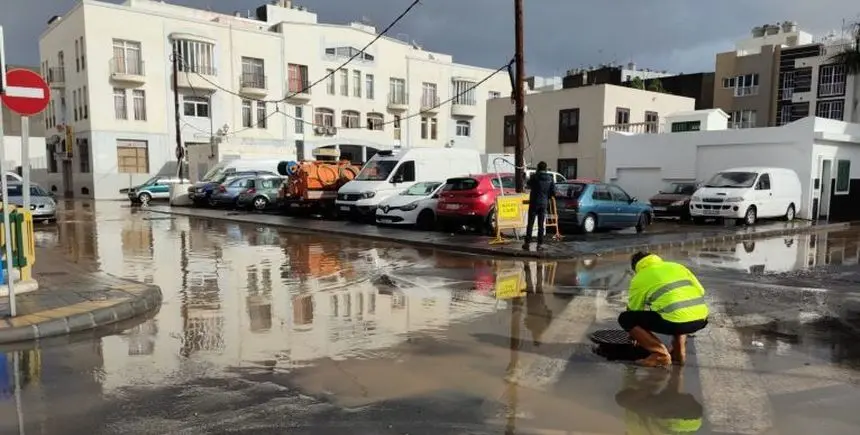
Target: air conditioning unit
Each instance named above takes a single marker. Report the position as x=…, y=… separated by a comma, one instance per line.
x=320, y=130
x=331, y=131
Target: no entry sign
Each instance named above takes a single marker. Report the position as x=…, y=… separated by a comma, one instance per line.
x=27, y=93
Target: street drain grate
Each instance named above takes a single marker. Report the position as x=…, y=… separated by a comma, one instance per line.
x=611, y=336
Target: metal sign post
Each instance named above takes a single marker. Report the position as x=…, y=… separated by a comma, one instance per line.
x=7, y=229
x=25, y=160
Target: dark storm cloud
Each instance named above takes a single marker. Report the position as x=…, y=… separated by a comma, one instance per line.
x=677, y=35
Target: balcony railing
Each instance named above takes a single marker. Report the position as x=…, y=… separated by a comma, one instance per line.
x=119, y=65
x=206, y=70
x=56, y=75
x=298, y=85
x=398, y=98
x=252, y=80
x=787, y=93
x=429, y=101
x=830, y=89
x=746, y=91
x=634, y=128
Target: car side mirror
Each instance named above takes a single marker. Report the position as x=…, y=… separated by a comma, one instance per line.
x=632, y=200
x=396, y=179
x=435, y=196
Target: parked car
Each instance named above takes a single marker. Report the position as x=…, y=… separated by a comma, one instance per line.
x=260, y=192
x=157, y=187
x=471, y=201
x=42, y=204
x=590, y=206
x=414, y=206
x=673, y=200
x=748, y=194
x=201, y=192
x=227, y=193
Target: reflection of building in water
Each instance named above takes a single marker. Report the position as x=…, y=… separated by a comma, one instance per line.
x=141, y=338
x=76, y=236
x=838, y=248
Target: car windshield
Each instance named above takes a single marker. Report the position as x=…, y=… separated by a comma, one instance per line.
x=732, y=179
x=422, y=189
x=18, y=190
x=214, y=173
x=679, y=189
x=569, y=190
x=376, y=170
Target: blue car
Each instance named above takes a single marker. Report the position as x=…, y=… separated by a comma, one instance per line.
x=590, y=206
x=201, y=192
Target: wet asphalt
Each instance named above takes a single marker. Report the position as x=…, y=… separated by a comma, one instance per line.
x=263, y=331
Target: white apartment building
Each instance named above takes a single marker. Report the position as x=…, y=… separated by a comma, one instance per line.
x=566, y=128
x=242, y=85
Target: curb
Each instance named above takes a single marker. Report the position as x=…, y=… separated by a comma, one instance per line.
x=147, y=302
x=517, y=253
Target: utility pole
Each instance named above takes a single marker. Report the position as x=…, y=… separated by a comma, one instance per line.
x=180, y=151
x=519, y=98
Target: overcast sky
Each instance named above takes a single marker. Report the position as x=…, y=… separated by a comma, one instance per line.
x=676, y=35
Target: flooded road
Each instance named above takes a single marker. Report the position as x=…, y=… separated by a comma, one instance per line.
x=264, y=331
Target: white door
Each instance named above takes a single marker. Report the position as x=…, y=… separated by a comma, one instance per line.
x=642, y=183
x=826, y=188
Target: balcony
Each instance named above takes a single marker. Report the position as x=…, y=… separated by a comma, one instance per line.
x=197, y=77
x=398, y=101
x=127, y=71
x=253, y=84
x=634, y=128
x=787, y=93
x=831, y=89
x=298, y=90
x=746, y=91
x=57, y=77
x=430, y=103
x=464, y=108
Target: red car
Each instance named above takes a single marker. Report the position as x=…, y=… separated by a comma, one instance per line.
x=471, y=201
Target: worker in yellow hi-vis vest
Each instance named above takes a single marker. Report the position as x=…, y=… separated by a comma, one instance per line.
x=664, y=298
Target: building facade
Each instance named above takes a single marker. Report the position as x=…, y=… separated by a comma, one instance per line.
x=244, y=87
x=747, y=77
x=566, y=128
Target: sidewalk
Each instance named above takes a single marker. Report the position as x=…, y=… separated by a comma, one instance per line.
x=573, y=246
x=72, y=299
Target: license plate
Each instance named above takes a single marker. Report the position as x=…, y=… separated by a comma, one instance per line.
x=344, y=208
x=659, y=208
x=452, y=206
x=711, y=212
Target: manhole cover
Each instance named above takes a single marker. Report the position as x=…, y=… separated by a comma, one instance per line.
x=611, y=336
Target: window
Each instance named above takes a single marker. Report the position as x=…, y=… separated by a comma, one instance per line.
x=787, y=85
x=746, y=85
x=300, y=120
x=329, y=83
x=374, y=121
x=348, y=52
x=601, y=193
x=830, y=109
x=405, y=172
x=132, y=156
x=429, y=98
x=434, y=128
x=119, y=104
x=397, y=91
x=568, y=126
x=195, y=56
x=618, y=194
x=85, y=101
x=75, y=103
x=262, y=115
x=831, y=80
x=344, y=83
x=510, y=135
x=728, y=82
x=396, y=127
x=425, y=127
x=763, y=182
x=507, y=183
x=77, y=56
x=83, y=55
x=680, y=127
x=139, y=104
x=126, y=57
x=324, y=117
x=300, y=150
x=356, y=83
x=652, y=122
x=195, y=106
x=494, y=94
x=247, y=118
x=350, y=119
x=622, y=116
x=84, y=155
x=53, y=166
x=253, y=73
x=784, y=115
x=843, y=176
x=368, y=86
x=567, y=168
x=297, y=76
x=464, y=128
x=742, y=119
x=464, y=93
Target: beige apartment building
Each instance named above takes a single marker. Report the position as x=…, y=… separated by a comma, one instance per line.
x=566, y=128
x=747, y=78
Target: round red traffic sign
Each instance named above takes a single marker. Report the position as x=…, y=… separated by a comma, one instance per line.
x=26, y=92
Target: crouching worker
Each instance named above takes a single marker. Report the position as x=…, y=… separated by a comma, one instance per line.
x=665, y=298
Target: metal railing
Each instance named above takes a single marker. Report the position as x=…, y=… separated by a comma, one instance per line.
x=746, y=91
x=787, y=93
x=830, y=89
x=206, y=70
x=429, y=101
x=252, y=80
x=398, y=98
x=56, y=75
x=120, y=65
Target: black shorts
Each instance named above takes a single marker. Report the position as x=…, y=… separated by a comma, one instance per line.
x=652, y=321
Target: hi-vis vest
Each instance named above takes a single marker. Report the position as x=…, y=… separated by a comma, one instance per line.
x=641, y=425
x=667, y=288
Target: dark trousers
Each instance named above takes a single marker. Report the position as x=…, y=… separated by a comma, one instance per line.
x=652, y=321
x=538, y=213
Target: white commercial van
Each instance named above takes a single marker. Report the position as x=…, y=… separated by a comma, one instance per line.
x=747, y=194
x=391, y=172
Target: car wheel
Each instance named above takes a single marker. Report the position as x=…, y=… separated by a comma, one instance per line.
x=790, y=214
x=642, y=223
x=144, y=198
x=425, y=221
x=490, y=223
x=261, y=203
x=589, y=223
x=749, y=217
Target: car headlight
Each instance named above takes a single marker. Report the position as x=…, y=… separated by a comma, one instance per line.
x=678, y=203
x=409, y=207
x=734, y=199
x=368, y=195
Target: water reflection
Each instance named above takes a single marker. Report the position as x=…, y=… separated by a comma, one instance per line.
x=655, y=402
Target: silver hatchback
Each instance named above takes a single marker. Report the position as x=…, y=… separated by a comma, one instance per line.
x=42, y=204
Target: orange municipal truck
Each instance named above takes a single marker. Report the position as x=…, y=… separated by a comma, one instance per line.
x=311, y=185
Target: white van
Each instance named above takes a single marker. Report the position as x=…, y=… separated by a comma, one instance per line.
x=748, y=194
x=227, y=167
x=391, y=172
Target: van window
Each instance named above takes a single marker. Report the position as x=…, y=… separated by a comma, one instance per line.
x=763, y=182
x=601, y=193
x=406, y=171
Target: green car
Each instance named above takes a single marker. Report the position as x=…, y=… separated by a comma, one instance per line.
x=259, y=192
x=157, y=187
